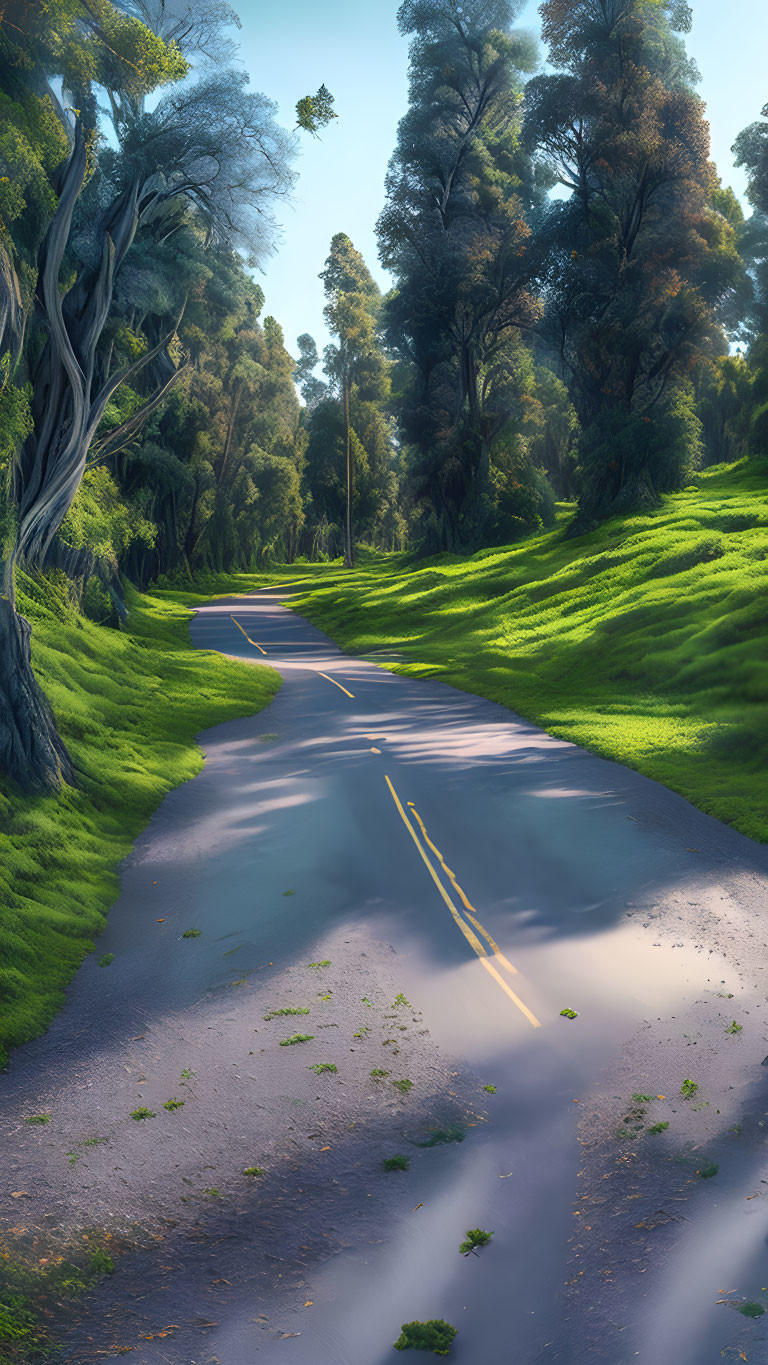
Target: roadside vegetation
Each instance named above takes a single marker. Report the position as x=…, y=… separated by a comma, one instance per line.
x=129, y=704
x=643, y=641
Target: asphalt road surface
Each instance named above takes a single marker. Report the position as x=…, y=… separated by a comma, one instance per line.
x=513, y=876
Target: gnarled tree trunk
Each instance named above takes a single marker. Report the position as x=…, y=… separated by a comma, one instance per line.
x=31, y=749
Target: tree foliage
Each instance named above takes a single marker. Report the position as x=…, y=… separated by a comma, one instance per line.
x=455, y=236
x=636, y=261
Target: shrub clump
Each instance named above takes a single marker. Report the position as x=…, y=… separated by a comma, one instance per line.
x=435, y=1335
x=396, y=1163
x=476, y=1237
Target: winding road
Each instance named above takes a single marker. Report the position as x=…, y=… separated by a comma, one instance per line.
x=500, y=876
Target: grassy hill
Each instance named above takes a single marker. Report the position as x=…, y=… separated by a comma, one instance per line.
x=129, y=704
x=645, y=641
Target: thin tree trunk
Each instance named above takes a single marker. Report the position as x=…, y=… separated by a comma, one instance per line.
x=349, y=554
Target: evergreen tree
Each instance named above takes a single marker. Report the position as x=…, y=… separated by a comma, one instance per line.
x=454, y=234
x=636, y=260
x=355, y=363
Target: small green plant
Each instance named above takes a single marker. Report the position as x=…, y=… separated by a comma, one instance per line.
x=186, y=1074
x=396, y=1163
x=277, y=1014
x=361, y=1032
x=403, y=1086
x=491, y=1089
x=476, y=1237
x=733, y=1027
x=752, y=1309
x=401, y=1000
x=74, y=1157
x=569, y=1014
x=213, y=1193
x=440, y=1137
x=711, y=1169
x=289, y=893
x=94, y=1142
x=142, y=1113
x=688, y=1089
x=367, y=1002
x=192, y=933
x=378, y=1074
x=435, y=1335
x=39, y=1119
x=253, y=1171
x=643, y=1099
x=107, y=960
x=320, y=1068
x=170, y=1105
x=659, y=1127
x=317, y=965
x=101, y=1264
x=297, y=1038
x=326, y=998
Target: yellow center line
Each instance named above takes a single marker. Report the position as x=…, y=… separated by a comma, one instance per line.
x=465, y=929
x=335, y=683
x=471, y=938
x=247, y=636
x=470, y=909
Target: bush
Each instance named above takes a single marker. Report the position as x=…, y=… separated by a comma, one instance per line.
x=435, y=1335
x=476, y=1237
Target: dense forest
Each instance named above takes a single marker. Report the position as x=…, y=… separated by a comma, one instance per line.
x=578, y=310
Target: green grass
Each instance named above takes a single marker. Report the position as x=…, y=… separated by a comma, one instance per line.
x=35, y=1293
x=643, y=641
x=129, y=704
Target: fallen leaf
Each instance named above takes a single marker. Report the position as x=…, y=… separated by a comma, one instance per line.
x=325, y=1149
x=418, y=1206
x=309, y=1303
x=161, y=921
x=19, y=1194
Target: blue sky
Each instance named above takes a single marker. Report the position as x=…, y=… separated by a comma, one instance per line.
x=354, y=47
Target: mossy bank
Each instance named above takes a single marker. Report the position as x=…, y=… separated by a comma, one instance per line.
x=129, y=704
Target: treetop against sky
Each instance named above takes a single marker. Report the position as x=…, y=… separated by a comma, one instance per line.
x=357, y=51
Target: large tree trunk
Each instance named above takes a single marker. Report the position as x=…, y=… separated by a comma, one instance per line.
x=31, y=749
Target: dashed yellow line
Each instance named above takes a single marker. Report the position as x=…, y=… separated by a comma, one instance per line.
x=335, y=683
x=247, y=636
x=468, y=933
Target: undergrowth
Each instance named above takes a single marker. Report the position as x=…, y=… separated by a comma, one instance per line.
x=129, y=704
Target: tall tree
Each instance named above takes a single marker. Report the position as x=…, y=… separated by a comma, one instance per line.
x=751, y=152
x=636, y=259
x=454, y=234
x=355, y=361
x=209, y=153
